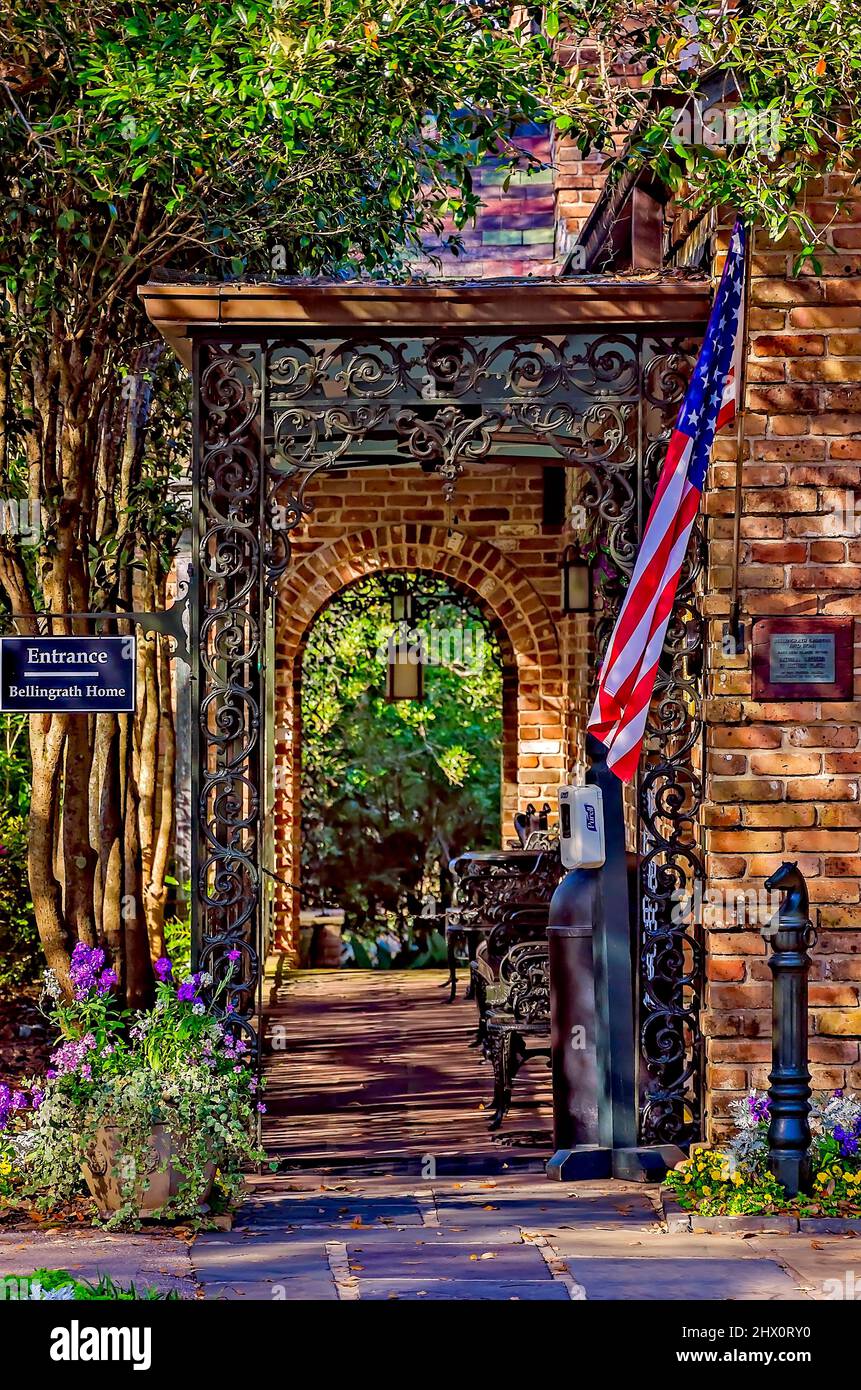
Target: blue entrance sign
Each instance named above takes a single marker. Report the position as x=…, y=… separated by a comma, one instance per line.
x=76, y=675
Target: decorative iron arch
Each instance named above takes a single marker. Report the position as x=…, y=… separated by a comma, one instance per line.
x=275, y=410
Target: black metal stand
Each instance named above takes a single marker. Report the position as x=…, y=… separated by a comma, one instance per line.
x=599, y=898
x=789, y=1091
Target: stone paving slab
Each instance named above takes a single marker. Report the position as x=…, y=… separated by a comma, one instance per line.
x=473, y=1290
x=396, y=1260
x=240, y=1259
x=156, y=1259
x=596, y=1242
x=729, y=1280
x=549, y=1215
x=330, y=1211
x=825, y=1268
x=273, y=1291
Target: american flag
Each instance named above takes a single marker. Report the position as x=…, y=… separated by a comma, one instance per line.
x=618, y=718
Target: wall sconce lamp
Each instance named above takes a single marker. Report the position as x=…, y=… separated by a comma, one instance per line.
x=403, y=604
x=576, y=582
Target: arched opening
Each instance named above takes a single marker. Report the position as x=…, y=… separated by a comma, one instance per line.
x=388, y=1042
x=406, y=725
x=534, y=699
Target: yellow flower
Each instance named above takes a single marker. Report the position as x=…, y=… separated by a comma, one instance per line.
x=689, y=1177
x=5, y=1168
x=738, y=1179
x=822, y=1177
x=707, y=1192
x=835, y=1168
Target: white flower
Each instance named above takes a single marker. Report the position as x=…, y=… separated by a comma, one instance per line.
x=51, y=985
x=64, y=1294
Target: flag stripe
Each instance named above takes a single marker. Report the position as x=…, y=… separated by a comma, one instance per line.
x=629, y=669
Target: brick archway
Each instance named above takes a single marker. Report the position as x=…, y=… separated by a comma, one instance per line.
x=534, y=703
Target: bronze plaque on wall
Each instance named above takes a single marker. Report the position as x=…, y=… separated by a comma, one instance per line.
x=803, y=658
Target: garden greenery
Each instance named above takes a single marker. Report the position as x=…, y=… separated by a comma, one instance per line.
x=174, y=1066
x=392, y=791
x=59, y=1286
x=737, y=1180
x=642, y=72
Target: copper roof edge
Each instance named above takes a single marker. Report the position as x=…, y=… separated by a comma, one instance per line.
x=177, y=308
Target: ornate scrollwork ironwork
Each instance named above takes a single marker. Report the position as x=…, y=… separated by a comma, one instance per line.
x=487, y=886
x=275, y=414
x=227, y=652
x=525, y=971
x=670, y=794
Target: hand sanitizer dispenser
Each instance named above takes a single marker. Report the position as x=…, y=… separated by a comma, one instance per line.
x=581, y=827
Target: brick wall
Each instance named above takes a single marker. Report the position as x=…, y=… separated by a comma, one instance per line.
x=784, y=779
x=577, y=182
x=492, y=542
x=528, y=227
x=514, y=232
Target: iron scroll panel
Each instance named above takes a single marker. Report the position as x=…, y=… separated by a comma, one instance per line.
x=227, y=656
x=275, y=413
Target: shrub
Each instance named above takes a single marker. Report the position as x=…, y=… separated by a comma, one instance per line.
x=175, y=1066
x=20, y=950
x=58, y=1285
x=737, y=1180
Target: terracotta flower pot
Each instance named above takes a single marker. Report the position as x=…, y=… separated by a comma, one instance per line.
x=161, y=1180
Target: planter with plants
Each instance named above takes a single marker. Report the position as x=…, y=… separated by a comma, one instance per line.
x=736, y=1182
x=151, y=1111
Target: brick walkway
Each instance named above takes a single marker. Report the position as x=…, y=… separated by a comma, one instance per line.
x=375, y=1068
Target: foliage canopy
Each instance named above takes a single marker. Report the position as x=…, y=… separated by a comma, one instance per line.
x=392, y=791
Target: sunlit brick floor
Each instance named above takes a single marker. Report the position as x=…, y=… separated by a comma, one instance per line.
x=375, y=1068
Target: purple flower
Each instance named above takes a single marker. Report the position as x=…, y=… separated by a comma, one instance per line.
x=234, y=954
x=71, y=1057
x=188, y=990
x=106, y=981
x=10, y=1101
x=758, y=1107
x=36, y=1098
x=163, y=968
x=261, y=1108
x=87, y=971
x=848, y=1138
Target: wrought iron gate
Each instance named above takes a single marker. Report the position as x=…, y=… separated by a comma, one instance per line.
x=271, y=413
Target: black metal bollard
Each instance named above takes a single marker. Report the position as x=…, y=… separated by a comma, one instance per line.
x=789, y=1091
x=572, y=1011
